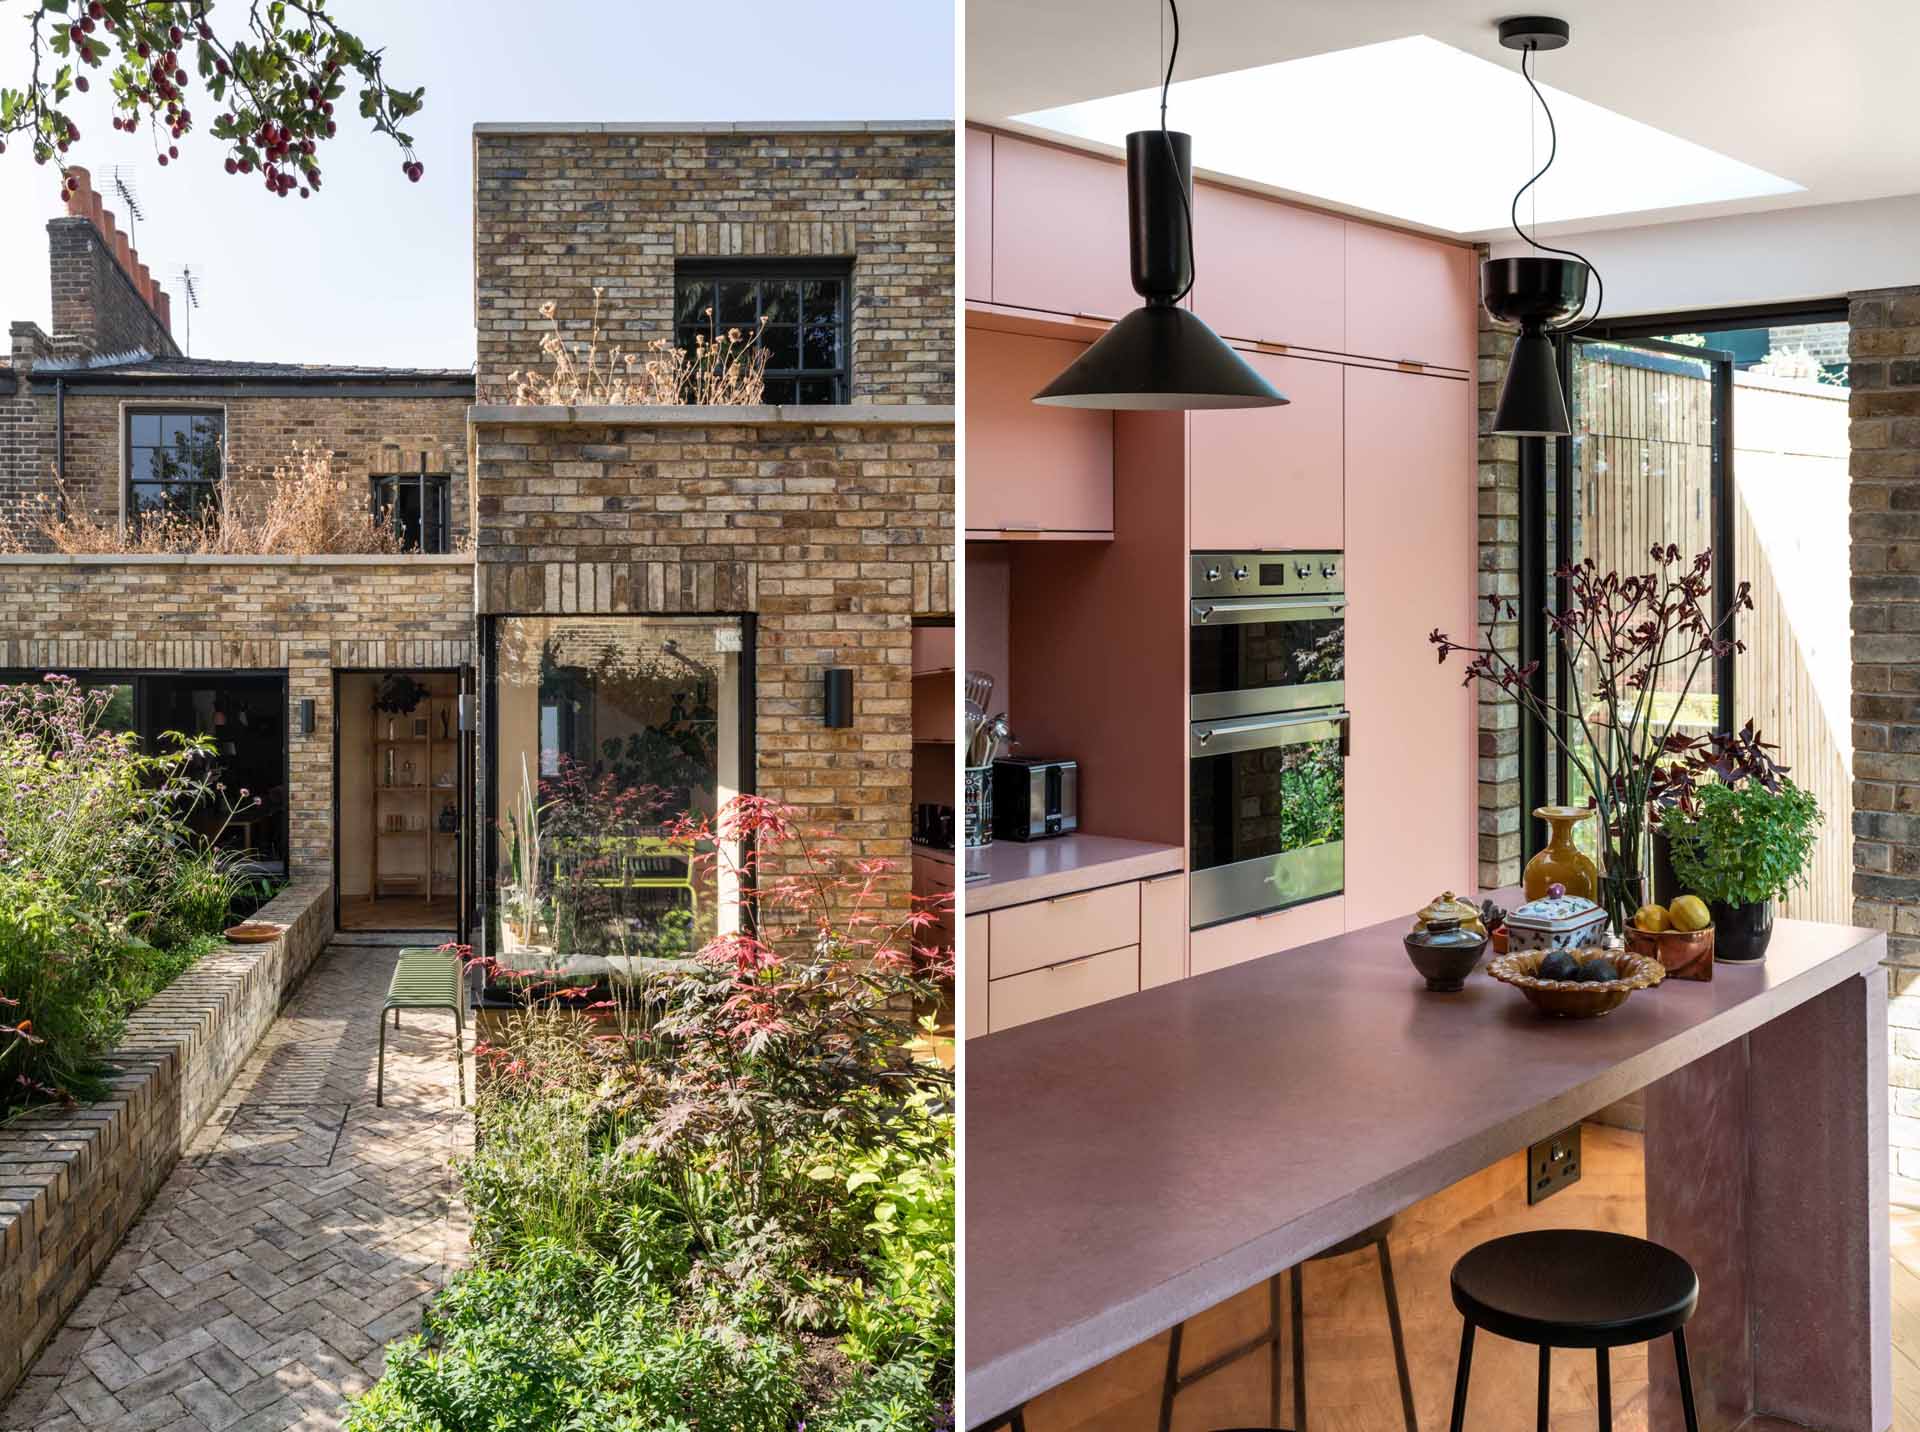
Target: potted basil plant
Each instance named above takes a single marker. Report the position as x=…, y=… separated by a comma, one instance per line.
x=1741, y=848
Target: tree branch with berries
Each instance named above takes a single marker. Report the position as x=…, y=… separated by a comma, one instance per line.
x=275, y=82
x=1637, y=636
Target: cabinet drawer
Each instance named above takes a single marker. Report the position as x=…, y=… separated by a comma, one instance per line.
x=1234, y=943
x=1048, y=932
x=1043, y=993
x=1163, y=929
x=973, y=973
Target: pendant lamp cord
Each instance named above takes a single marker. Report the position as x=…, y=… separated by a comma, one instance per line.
x=1179, y=179
x=1553, y=149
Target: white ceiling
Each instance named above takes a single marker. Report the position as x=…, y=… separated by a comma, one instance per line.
x=1819, y=94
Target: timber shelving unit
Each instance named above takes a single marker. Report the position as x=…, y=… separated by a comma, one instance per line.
x=413, y=797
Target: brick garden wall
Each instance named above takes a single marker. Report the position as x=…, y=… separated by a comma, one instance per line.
x=1884, y=437
x=73, y=1180
x=560, y=210
x=367, y=433
x=306, y=616
x=834, y=533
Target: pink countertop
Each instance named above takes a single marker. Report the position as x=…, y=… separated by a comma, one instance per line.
x=1019, y=871
x=1133, y=1163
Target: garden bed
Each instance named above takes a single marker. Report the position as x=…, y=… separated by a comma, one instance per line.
x=74, y=1178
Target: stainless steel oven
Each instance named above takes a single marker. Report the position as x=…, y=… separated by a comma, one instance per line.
x=1268, y=813
x=1266, y=633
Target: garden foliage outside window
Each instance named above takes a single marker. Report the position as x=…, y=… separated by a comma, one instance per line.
x=611, y=732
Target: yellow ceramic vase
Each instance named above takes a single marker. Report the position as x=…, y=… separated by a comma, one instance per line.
x=1561, y=862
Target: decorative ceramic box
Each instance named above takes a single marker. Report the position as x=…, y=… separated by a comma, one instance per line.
x=1558, y=921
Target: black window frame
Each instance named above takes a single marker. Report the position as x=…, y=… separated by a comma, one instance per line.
x=779, y=270
x=379, y=483
x=129, y=482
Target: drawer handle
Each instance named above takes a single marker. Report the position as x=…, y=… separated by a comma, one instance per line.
x=1069, y=964
x=1163, y=879
x=1272, y=915
x=1069, y=899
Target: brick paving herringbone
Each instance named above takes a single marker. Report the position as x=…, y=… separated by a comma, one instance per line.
x=302, y=1231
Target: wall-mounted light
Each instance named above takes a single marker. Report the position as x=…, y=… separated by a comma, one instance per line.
x=839, y=696
x=466, y=712
x=306, y=716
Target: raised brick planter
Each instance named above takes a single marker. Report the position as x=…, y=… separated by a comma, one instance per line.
x=72, y=1181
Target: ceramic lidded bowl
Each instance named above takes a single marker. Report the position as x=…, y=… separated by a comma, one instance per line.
x=1445, y=952
x=1557, y=921
x=1450, y=907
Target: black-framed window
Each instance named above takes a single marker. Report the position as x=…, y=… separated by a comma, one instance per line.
x=416, y=504
x=806, y=306
x=175, y=457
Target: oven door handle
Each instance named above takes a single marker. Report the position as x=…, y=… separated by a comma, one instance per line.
x=1302, y=607
x=1202, y=735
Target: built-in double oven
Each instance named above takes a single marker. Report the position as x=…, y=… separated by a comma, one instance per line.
x=1268, y=738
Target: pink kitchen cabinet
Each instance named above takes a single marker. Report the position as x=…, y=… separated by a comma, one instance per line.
x=979, y=286
x=973, y=975
x=1032, y=469
x=1060, y=231
x=1410, y=568
x=1269, y=271
x=1271, y=477
x=1410, y=299
x=1163, y=929
x=1237, y=941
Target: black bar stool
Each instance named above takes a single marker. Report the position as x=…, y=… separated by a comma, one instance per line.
x=1178, y=1382
x=1575, y=1288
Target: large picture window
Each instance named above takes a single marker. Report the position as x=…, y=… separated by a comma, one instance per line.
x=805, y=308
x=175, y=457
x=609, y=736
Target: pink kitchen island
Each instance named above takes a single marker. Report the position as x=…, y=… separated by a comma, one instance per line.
x=1133, y=1163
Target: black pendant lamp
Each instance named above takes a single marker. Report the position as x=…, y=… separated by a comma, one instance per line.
x=1540, y=293
x=1160, y=357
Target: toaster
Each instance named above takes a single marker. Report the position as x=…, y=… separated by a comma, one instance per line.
x=1034, y=798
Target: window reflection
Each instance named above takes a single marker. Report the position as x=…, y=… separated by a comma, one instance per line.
x=614, y=735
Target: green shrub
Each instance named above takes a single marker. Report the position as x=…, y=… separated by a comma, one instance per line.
x=570, y=1339
x=1745, y=843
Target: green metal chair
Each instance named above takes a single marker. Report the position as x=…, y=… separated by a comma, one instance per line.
x=425, y=978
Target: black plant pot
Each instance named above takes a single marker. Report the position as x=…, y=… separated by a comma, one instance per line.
x=1741, y=932
x=1666, y=885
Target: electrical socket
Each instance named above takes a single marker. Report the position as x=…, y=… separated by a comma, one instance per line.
x=1553, y=1164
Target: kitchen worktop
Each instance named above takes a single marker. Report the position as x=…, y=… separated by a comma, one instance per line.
x=1135, y=1162
x=1019, y=871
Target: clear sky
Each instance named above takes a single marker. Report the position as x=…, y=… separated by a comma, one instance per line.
x=375, y=269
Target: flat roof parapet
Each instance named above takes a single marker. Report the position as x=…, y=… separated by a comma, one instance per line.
x=768, y=126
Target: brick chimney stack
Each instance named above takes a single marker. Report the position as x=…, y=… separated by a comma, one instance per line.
x=104, y=298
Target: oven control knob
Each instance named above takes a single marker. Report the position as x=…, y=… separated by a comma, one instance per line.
x=1330, y=570
x=1239, y=574
x=1213, y=574
x=1303, y=569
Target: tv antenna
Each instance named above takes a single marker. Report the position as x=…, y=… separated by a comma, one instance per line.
x=126, y=186
x=188, y=287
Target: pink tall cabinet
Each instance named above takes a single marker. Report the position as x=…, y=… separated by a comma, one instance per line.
x=1372, y=332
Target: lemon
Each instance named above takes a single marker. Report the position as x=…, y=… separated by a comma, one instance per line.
x=1689, y=913
x=1651, y=918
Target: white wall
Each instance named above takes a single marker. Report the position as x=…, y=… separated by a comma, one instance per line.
x=1820, y=251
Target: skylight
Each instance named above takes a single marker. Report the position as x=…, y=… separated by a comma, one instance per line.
x=1419, y=131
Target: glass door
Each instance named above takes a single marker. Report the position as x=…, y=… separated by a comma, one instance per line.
x=1649, y=464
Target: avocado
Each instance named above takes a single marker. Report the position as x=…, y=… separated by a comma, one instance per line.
x=1559, y=965
x=1596, y=970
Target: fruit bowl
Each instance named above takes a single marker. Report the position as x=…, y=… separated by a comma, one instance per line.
x=1684, y=954
x=1577, y=999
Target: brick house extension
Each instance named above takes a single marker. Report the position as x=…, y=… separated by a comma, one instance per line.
x=643, y=596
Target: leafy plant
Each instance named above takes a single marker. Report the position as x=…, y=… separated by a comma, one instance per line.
x=1745, y=843
x=1637, y=637
x=277, y=79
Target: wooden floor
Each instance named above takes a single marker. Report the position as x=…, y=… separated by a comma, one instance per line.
x=1350, y=1377
x=398, y=912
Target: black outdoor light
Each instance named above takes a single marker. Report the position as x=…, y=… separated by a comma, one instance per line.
x=839, y=697
x=1541, y=293
x=1160, y=357
x=306, y=715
